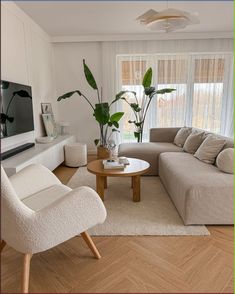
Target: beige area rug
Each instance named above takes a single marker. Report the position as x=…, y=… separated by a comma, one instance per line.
x=154, y=215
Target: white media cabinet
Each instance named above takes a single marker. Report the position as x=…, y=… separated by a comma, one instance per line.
x=50, y=155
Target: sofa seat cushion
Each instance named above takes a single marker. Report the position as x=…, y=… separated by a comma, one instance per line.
x=45, y=197
x=148, y=152
x=201, y=193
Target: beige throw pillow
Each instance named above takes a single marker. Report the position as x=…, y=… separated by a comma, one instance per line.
x=193, y=141
x=209, y=149
x=181, y=136
x=225, y=161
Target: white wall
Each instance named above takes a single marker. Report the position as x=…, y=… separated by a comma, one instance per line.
x=70, y=76
x=27, y=58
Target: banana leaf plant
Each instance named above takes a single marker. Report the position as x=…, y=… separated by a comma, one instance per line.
x=140, y=108
x=108, y=123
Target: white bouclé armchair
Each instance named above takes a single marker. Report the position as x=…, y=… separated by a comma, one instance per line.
x=38, y=212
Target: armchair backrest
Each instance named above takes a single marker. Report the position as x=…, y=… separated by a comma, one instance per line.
x=13, y=211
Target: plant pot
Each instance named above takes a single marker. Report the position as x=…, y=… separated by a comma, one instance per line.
x=102, y=152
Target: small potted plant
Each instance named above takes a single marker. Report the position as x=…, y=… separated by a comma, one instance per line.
x=108, y=123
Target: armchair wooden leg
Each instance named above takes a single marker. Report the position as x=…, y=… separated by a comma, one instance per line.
x=26, y=269
x=86, y=237
x=3, y=244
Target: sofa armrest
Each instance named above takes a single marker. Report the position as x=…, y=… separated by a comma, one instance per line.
x=163, y=134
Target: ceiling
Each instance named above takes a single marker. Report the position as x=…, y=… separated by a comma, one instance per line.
x=80, y=18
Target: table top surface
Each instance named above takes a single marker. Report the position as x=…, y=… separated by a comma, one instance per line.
x=136, y=167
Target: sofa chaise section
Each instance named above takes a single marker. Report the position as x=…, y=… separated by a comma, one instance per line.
x=161, y=140
x=201, y=192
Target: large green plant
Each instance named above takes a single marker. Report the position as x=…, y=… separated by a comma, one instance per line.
x=108, y=123
x=140, y=108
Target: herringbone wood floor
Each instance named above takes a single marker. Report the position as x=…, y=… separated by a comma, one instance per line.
x=129, y=264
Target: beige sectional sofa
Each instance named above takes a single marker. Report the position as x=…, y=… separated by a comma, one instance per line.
x=201, y=192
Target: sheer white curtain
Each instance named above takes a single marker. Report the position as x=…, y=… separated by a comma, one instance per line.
x=227, y=115
x=209, y=95
x=203, y=82
x=171, y=72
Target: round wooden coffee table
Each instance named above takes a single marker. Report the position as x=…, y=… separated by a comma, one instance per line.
x=135, y=169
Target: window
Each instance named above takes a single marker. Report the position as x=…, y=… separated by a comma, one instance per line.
x=208, y=93
x=171, y=108
x=199, y=79
x=132, y=76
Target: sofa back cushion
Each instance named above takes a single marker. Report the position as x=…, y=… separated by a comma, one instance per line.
x=210, y=148
x=181, y=136
x=193, y=141
x=229, y=142
x=225, y=160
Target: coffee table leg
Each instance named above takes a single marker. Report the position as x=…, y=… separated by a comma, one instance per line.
x=105, y=183
x=136, y=188
x=100, y=186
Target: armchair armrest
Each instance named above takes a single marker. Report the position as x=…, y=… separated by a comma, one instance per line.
x=32, y=179
x=163, y=134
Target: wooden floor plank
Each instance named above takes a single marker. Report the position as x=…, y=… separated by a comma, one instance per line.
x=137, y=264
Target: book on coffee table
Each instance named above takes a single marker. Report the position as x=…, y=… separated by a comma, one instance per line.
x=112, y=164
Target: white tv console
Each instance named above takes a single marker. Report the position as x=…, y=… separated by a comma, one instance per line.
x=50, y=155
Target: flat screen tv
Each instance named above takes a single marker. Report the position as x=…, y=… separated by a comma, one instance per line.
x=16, y=109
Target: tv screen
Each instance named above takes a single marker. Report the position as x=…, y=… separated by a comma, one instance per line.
x=16, y=109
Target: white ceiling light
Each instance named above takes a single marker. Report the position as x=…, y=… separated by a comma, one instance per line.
x=167, y=20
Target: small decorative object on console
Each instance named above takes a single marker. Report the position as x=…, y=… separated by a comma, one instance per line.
x=50, y=125
x=44, y=140
x=64, y=127
x=46, y=108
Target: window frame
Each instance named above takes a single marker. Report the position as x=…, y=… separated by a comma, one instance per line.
x=191, y=57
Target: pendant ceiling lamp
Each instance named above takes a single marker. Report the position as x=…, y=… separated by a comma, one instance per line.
x=168, y=20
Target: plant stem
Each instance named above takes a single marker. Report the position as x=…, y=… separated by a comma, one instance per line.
x=145, y=112
x=88, y=101
x=8, y=106
x=106, y=133
x=98, y=95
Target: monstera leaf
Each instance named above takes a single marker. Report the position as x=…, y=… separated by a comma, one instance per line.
x=101, y=113
x=116, y=116
x=5, y=85
x=68, y=95
x=120, y=95
x=147, y=80
x=148, y=91
x=135, y=107
x=96, y=141
x=22, y=93
x=164, y=91
x=4, y=117
x=89, y=76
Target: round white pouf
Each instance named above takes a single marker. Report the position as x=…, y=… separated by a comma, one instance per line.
x=75, y=154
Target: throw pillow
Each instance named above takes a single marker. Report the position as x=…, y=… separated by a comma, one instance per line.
x=224, y=160
x=193, y=141
x=209, y=149
x=181, y=136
